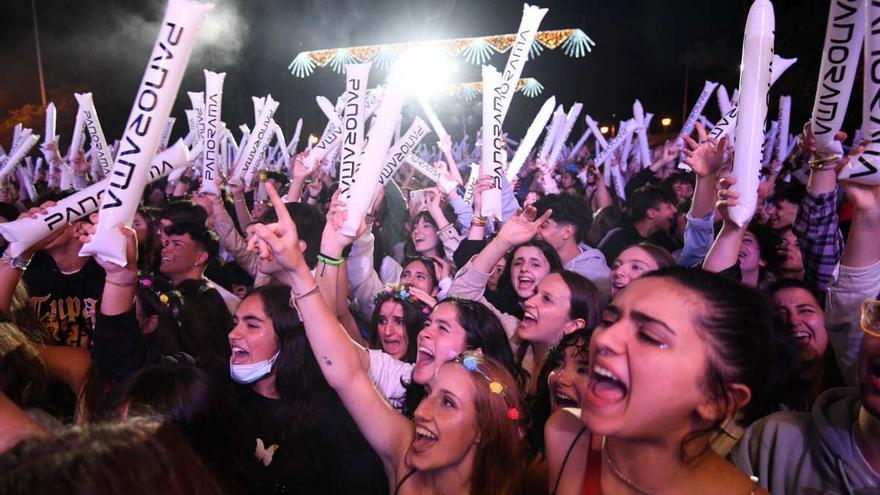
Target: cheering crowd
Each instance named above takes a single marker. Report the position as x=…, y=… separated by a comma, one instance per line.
x=435, y=351
x=607, y=333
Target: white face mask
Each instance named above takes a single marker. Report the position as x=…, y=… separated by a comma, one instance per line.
x=249, y=373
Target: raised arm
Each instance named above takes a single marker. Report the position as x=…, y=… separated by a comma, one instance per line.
x=705, y=158
x=816, y=224
x=724, y=252
x=388, y=432
x=859, y=278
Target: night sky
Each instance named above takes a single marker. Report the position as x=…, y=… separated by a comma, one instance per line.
x=644, y=49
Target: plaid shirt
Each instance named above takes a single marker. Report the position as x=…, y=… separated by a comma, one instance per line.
x=819, y=238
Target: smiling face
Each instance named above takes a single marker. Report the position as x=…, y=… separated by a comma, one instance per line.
x=424, y=237
x=253, y=337
x=391, y=329
x=631, y=263
x=442, y=339
x=781, y=213
x=446, y=432
x=546, y=318
x=646, y=346
x=528, y=267
x=573, y=366
x=180, y=255
x=805, y=319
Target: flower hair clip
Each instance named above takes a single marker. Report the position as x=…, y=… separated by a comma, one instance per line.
x=171, y=300
x=401, y=293
x=471, y=362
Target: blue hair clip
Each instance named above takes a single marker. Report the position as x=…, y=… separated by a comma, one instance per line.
x=470, y=363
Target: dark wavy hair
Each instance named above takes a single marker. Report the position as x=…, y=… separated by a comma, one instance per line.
x=539, y=403
x=298, y=377
x=413, y=321
x=505, y=283
x=483, y=331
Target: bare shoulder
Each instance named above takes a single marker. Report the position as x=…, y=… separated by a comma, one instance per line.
x=566, y=421
x=727, y=479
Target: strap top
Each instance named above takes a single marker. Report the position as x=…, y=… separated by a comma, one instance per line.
x=402, y=480
x=565, y=459
x=593, y=473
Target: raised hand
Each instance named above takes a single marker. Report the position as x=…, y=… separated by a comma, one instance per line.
x=299, y=172
x=727, y=198
x=484, y=183
x=706, y=157
x=521, y=227
x=862, y=197
x=279, y=240
x=121, y=274
x=423, y=296
x=445, y=144
x=80, y=164
x=333, y=241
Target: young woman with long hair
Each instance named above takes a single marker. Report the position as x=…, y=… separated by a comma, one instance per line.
x=465, y=434
x=677, y=353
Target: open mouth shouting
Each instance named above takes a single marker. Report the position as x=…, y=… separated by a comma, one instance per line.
x=425, y=356
x=605, y=388
x=240, y=355
x=525, y=284
x=563, y=399
x=424, y=438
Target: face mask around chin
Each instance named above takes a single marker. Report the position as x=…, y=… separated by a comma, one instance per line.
x=249, y=373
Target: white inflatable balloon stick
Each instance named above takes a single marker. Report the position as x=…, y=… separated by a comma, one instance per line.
x=754, y=84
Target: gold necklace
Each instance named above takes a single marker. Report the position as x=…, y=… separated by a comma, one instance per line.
x=630, y=483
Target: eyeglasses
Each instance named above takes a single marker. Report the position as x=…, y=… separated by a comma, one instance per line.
x=870, y=320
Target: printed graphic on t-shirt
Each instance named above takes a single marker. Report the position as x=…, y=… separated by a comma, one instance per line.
x=68, y=320
x=265, y=454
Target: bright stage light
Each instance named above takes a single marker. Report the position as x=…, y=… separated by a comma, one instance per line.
x=604, y=129
x=665, y=121
x=423, y=70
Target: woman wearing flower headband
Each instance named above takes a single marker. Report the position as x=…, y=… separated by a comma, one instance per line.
x=465, y=435
x=698, y=335
x=453, y=326
x=397, y=321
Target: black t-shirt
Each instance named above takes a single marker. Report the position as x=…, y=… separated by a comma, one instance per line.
x=65, y=304
x=274, y=456
x=619, y=239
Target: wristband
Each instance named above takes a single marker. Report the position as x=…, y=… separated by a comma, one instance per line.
x=120, y=284
x=329, y=260
x=16, y=263
x=479, y=221
x=294, y=297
